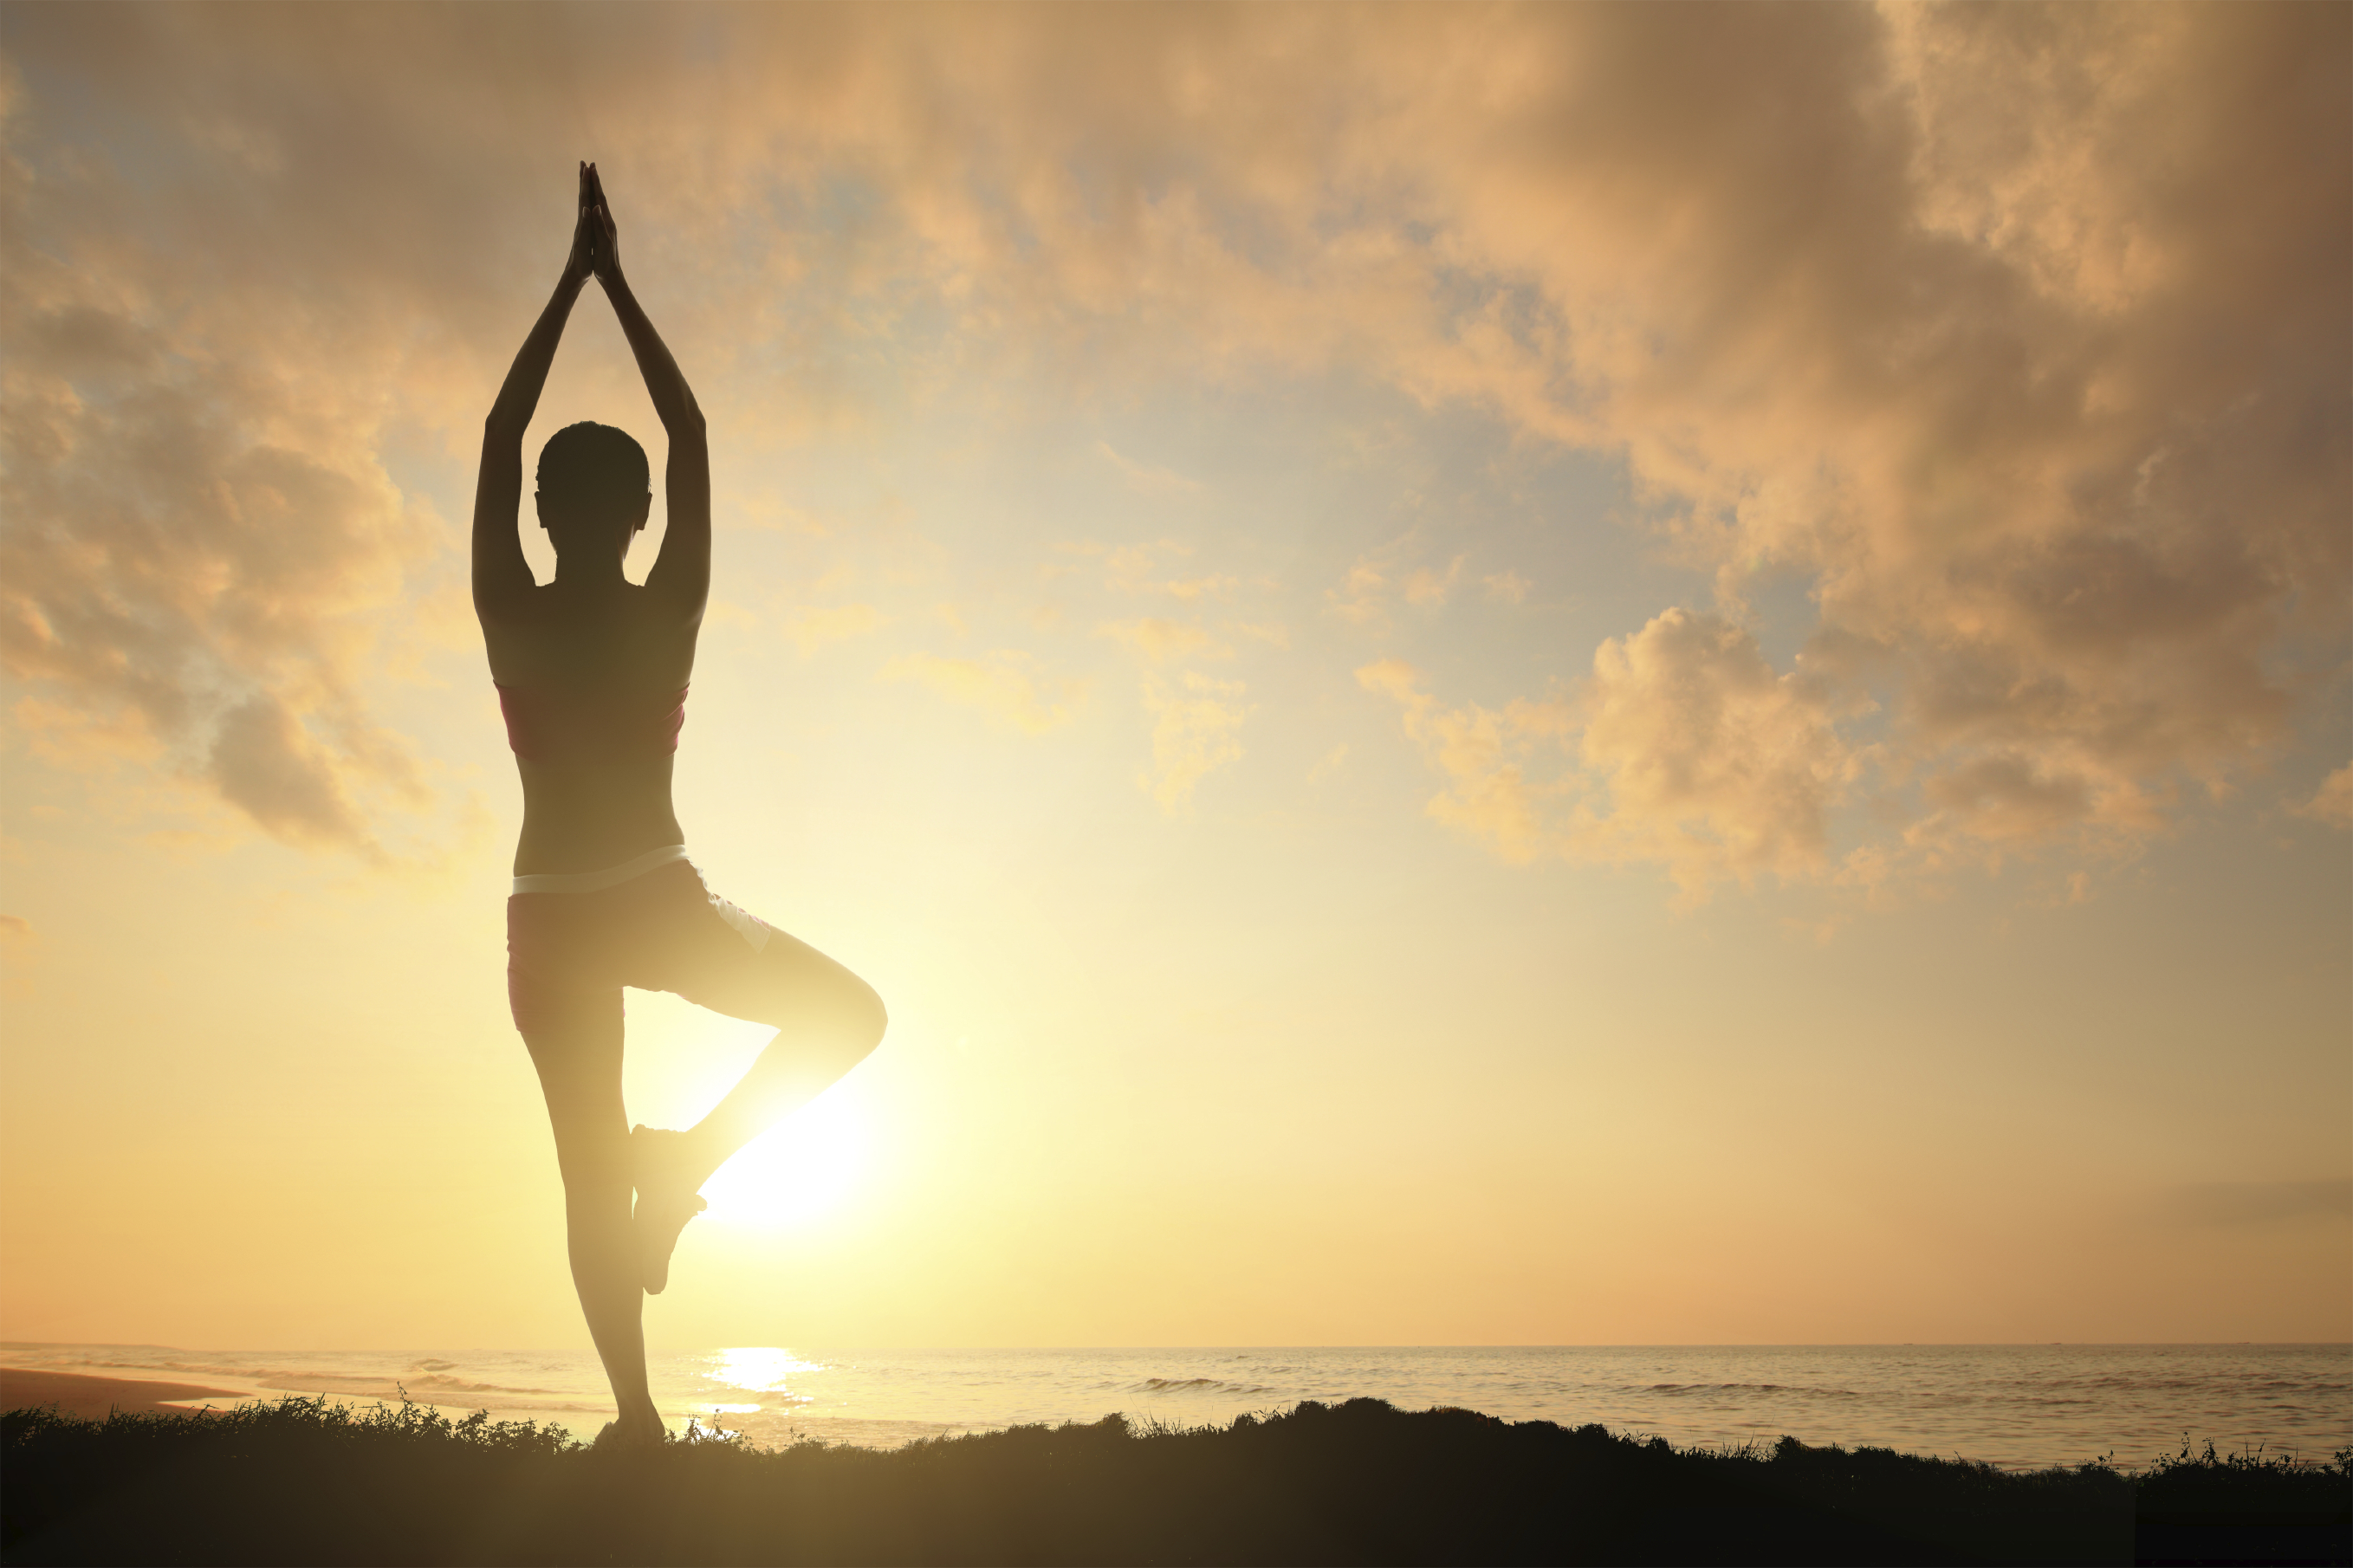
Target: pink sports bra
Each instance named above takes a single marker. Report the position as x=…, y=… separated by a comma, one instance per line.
x=548, y=727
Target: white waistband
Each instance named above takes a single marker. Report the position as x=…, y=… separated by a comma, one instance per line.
x=596, y=882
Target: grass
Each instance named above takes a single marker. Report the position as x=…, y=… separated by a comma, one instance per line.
x=310, y=1482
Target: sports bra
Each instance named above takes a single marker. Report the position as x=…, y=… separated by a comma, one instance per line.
x=550, y=727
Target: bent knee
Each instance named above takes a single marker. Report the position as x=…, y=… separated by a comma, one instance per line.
x=854, y=1016
x=868, y=1018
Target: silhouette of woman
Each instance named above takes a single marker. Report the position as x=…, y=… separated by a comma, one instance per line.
x=591, y=671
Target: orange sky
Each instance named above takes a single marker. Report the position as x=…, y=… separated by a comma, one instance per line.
x=1570, y=675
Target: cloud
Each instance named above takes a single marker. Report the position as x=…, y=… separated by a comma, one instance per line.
x=196, y=557
x=2006, y=326
x=1685, y=748
x=2238, y=1205
x=1429, y=587
x=1507, y=587
x=1363, y=595
x=1132, y=568
x=1366, y=594
x=811, y=627
x=2016, y=331
x=84, y=740
x=1189, y=589
x=1274, y=636
x=1145, y=477
x=1192, y=734
x=2004, y=389
x=1716, y=765
x=265, y=762
x=2332, y=801
x=1194, y=717
x=14, y=927
x=1004, y=687
x=1157, y=641
x=1486, y=757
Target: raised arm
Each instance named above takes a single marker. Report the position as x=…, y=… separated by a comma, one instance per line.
x=681, y=574
x=500, y=572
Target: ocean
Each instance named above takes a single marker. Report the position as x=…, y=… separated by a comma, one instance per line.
x=2018, y=1406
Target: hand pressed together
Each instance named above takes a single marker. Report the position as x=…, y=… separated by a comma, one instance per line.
x=595, y=243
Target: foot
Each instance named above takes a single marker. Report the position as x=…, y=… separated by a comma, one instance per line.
x=666, y=1201
x=626, y=1434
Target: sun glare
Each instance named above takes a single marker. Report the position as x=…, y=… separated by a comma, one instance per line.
x=798, y=1173
x=755, y=1369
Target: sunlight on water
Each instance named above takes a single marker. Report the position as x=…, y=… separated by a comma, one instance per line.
x=756, y=1369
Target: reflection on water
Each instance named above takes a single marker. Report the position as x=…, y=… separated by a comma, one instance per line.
x=2019, y=1406
x=757, y=1369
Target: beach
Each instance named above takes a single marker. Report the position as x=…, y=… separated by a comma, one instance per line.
x=94, y=1398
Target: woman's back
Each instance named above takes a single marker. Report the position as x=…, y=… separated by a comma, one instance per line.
x=592, y=683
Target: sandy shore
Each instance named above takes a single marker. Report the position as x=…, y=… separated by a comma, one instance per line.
x=93, y=1397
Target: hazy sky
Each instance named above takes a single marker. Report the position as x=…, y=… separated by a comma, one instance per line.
x=1617, y=674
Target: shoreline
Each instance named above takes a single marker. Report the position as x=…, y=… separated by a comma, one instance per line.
x=78, y=1394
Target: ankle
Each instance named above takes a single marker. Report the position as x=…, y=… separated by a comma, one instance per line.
x=664, y=1160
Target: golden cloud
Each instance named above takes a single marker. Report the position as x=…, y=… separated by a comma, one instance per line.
x=1157, y=641
x=811, y=627
x=1192, y=734
x=1003, y=687
x=2332, y=801
x=2017, y=331
x=1684, y=750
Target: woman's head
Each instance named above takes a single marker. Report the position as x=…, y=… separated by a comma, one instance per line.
x=593, y=487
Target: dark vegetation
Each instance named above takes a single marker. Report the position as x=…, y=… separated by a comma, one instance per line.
x=306, y=1482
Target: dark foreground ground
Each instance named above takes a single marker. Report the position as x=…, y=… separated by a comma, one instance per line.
x=303, y=1483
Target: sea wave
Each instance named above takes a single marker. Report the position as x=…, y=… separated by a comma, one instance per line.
x=417, y=1391
x=462, y=1385
x=165, y=1363
x=1798, y=1390
x=420, y=1375
x=1204, y=1385
x=766, y=1398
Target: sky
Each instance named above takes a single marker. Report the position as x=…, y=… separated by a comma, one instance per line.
x=1577, y=675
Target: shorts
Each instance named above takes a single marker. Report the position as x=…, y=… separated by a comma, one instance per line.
x=570, y=953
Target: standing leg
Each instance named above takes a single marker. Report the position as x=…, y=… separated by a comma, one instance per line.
x=580, y=1073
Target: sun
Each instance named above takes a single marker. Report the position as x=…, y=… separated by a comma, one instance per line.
x=798, y=1171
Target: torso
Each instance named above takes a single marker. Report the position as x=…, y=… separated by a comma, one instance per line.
x=611, y=642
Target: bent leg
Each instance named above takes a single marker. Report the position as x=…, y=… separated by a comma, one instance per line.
x=579, y=1066
x=826, y=1021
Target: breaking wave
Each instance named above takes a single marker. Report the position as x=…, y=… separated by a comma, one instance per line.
x=1203, y=1386
x=1788, y=1390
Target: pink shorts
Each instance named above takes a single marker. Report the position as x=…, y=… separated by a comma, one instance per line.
x=569, y=953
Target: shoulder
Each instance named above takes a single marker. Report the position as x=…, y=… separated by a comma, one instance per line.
x=509, y=602
x=660, y=606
